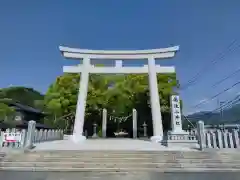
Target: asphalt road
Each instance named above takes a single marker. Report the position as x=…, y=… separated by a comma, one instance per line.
x=8, y=175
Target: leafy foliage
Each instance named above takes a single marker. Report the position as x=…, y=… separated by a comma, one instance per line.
x=119, y=94
x=23, y=95
x=6, y=113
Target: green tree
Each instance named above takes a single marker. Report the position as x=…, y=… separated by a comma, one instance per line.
x=6, y=113
x=39, y=104
x=138, y=90
x=61, y=99
x=118, y=93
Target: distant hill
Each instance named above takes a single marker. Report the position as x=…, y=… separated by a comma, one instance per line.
x=23, y=95
x=230, y=115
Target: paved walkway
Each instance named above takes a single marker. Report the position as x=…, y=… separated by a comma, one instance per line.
x=117, y=176
x=107, y=144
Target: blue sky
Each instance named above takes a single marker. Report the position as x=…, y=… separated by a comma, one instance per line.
x=31, y=31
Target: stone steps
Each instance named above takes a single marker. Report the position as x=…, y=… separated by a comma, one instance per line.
x=118, y=154
x=120, y=157
x=119, y=170
x=118, y=160
x=121, y=161
x=108, y=154
x=117, y=165
x=131, y=152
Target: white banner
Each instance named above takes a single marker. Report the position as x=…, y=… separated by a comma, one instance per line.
x=12, y=137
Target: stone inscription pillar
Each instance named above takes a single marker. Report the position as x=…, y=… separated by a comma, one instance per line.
x=176, y=115
x=81, y=103
x=155, y=102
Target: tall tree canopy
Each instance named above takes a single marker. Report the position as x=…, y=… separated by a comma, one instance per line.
x=119, y=94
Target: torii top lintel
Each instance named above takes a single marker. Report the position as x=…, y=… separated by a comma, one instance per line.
x=76, y=53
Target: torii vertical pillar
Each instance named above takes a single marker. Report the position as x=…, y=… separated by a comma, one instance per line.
x=155, y=102
x=81, y=103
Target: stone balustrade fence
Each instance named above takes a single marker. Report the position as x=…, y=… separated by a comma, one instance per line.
x=216, y=138
x=221, y=139
x=29, y=137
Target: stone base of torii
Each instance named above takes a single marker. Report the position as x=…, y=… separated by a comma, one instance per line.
x=174, y=138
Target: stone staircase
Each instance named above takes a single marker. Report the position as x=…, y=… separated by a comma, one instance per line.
x=121, y=161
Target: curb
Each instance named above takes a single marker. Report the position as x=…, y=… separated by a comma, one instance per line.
x=171, y=170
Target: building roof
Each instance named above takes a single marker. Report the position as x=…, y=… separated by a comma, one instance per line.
x=21, y=106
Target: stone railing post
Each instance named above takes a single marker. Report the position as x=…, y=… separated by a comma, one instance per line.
x=201, y=134
x=104, y=123
x=94, y=131
x=35, y=137
x=61, y=134
x=86, y=133
x=220, y=139
x=145, y=130
x=230, y=138
x=214, y=139
x=1, y=138
x=30, y=134
x=45, y=135
x=23, y=138
x=134, y=118
x=40, y=135
x=208, y=139
x=48, y=134
x=235, y=138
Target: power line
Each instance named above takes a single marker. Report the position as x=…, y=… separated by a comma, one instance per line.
x=219, y=82
x=219, y=57
x=232, y=103
x=225, y=78
x=228, y=103
x=224, y=106
x=214, y=61
x=186, y=118
x=218, y=94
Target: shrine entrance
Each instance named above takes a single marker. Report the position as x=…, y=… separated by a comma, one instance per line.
x=86, y=68
x=119, y=127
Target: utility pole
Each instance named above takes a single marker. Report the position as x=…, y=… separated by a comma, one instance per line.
x=221, y=109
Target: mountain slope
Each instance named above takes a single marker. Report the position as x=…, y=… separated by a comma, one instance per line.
x=230, y=115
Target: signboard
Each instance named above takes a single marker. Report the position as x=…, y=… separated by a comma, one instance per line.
x=176, y=114
x=12, y=137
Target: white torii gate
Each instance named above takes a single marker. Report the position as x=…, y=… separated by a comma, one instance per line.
x=86, y=68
